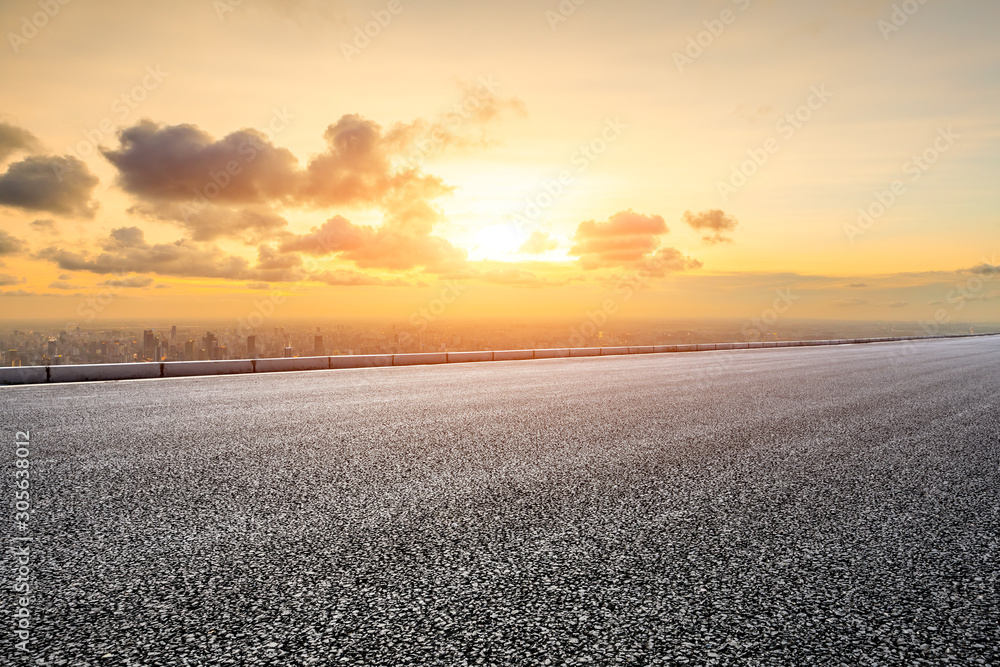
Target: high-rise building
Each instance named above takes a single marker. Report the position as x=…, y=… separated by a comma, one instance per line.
x=148, y=345
x=318, y=349
x=189, y=354
x=173, y=335
x=251, y=347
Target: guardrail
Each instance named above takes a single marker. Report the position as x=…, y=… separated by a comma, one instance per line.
x=173, y=369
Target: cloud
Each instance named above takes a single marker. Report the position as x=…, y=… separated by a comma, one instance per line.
x=20, y=292
x=60, y=185
x=357, y=169
x=715, y=222
x=64, y=285
x=250, y=225
x=899, y=304
x=9, y=245
x=985, y=270
x=131, y=281
x=624, y=239
x=46, y=226
x=858, y=285
x=14, y=139
x=851, y=303
x=126, y=251
x=351, y=278
x=396, y=244
x=182, y=163
x=259, y=286
x=7, y=279
x=538, y=243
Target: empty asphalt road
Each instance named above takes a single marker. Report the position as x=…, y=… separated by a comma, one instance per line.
x=834, y=506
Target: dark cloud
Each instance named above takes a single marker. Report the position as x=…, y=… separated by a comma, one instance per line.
x=15, y=139
x=62, y=185
x=7, y=279
x=858, y=285
x=985, y=270
x=9, y=245
x=715, y=222
x=182, y=163
x=538, y=243
x=625, y=239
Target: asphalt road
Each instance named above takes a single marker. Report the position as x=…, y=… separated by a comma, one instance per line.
x=835, y=506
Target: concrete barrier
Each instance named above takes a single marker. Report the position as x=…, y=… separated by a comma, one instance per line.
x=180, y=369
x=132, y=371
x=95, y=372
x=292, y=364
x=360, y=361
x=23, y=375
x=420, y=359
x=558, y=353
x=513, y=355
x=468, y=357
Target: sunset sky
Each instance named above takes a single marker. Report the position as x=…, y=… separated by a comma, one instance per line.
x=689, y=158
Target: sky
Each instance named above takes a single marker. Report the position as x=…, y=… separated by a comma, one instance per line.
x=703, y=158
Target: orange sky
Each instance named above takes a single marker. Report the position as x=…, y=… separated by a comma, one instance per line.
x=672, y=159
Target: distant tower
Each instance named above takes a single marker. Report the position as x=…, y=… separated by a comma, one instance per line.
x=148, y=345
x=318, y=348
x=251, y=347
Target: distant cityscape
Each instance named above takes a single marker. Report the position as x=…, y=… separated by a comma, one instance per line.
x=42, y=345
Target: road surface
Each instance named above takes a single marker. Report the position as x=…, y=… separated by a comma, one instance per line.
x=835, y=506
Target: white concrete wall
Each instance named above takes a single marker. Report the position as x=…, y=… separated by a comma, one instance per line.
x=468, y=357
x=180, y=369
x=361, y=361
x=292, y=364
x=419, y=359
x=513, y=355
x=23, y=375
x=94, y=372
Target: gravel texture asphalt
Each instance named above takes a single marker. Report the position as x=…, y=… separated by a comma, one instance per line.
x=834, y=506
